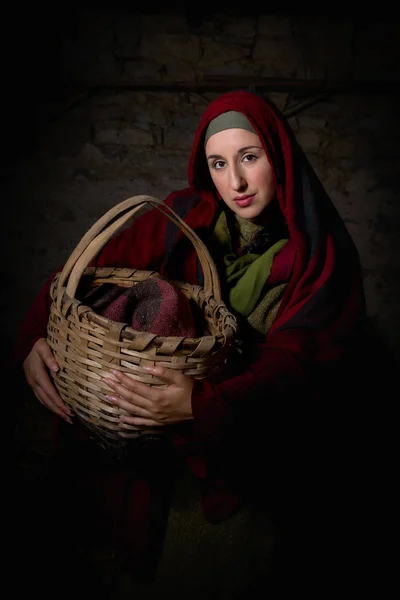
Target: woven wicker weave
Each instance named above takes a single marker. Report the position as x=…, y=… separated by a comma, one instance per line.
x=87, y=345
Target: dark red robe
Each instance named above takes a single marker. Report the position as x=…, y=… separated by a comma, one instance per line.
x=314, y=330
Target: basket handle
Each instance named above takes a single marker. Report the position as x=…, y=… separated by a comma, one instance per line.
x=104, y=229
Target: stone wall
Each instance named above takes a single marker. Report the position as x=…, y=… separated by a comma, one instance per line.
x=128, y=93
x=121, y=47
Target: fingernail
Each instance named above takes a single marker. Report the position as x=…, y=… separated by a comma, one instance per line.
x=55, y=368
x=112, y=398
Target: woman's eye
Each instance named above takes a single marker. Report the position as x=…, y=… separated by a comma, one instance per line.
x=249, y=157
x=218, y=164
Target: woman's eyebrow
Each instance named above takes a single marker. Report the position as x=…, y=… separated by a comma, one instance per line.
x=248, y=148
x=214, y=156
x=240, y=151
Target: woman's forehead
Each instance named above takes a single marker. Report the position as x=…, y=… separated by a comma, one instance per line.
x=231, y=140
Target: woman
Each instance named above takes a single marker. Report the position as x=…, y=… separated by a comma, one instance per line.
x=291, y=274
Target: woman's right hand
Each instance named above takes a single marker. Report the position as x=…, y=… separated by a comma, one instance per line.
x=36, y=368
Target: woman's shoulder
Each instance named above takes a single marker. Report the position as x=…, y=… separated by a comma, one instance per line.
x=186, y=198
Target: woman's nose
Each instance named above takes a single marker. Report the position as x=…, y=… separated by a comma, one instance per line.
x=237, y=180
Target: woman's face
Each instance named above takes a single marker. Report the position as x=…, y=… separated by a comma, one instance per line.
x=241, y=172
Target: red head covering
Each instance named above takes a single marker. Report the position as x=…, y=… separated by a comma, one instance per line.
x=324, y=297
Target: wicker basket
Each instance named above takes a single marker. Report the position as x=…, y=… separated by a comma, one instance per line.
x=87, y=345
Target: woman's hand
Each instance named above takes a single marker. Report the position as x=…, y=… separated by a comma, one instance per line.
x=152, y=406
x=36, y=368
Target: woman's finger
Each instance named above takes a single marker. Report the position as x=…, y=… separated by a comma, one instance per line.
x=47, y=355
x=130, y=426
x=46, y=401
x=52, y=393
x=132, y=405
x=170, y=376
x=126, y=386
x=139, y=422
x=143, y=389
x=43, y=382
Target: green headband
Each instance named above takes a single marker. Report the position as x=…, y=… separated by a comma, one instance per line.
x=227, y=120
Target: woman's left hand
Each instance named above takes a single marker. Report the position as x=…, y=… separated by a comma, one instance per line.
x=152, y=406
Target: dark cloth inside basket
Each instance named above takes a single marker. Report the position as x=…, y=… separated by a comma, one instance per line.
x=154, y=305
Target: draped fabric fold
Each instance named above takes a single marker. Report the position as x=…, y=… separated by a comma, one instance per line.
x=246, y=275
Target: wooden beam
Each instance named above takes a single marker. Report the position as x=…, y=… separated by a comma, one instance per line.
x=214, y=85
x=310, y=89
x=265, y=84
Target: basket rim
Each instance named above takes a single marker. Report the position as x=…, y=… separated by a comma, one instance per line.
x=129, y=332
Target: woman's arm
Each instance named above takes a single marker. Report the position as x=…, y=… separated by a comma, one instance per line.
x=231, y=416
x=246, y=397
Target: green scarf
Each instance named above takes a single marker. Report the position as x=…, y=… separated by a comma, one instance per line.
x=247, y=275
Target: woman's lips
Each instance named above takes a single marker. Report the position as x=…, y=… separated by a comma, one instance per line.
x=244, y=201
